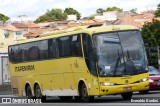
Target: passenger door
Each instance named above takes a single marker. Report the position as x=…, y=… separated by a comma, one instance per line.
x=89, y=56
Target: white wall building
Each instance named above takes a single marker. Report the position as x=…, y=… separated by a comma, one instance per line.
x=4, y=69
x=72, y=17
x=21, y=19
x=99, y=17
x=110, y=16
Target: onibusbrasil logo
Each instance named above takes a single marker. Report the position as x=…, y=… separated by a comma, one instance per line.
x=19, y=100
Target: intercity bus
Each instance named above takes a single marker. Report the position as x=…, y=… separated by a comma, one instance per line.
x=80, y=63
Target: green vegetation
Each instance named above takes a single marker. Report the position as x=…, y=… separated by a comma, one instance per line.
x=91, y=17
x=52, y=15
x=134, y=10
x=151, y=33
x=157, y=12
x=100, y=11
x=114, y=9
x=71, y=11
x=151, y=37
x=57, y=14
x=3, y=17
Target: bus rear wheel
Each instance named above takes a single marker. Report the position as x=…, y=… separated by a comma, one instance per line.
x=38, y=94
x=29, y=92
x=127, y=96
x=84, y=94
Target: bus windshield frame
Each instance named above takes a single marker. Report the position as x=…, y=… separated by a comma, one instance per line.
x=120, y=53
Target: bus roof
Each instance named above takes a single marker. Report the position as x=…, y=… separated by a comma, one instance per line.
x=81, y=29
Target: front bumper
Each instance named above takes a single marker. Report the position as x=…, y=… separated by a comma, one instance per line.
x=117, y=89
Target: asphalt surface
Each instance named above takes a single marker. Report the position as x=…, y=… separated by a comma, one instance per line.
x=151, y=99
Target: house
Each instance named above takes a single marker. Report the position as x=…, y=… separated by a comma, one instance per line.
x=36, y=33
x=63, y=23
x=45, y=25
x=127, y=21
x=21, y=19
x=72, y=17
x=26, y=27
x=92, y=22
x=125, y=14
x=8, y=35
x=137, y=20
x=110, y=16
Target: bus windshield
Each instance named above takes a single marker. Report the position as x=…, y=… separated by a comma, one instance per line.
x=120, y=53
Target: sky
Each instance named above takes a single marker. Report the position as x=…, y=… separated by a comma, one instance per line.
x=36, y=8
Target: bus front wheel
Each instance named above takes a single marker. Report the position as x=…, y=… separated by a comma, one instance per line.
x=84, y=94
x=127, y=95
x=38, y=94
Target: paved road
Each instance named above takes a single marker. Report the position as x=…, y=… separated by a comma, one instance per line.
x=112, y=100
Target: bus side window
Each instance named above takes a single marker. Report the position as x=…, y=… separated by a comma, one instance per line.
x=88, y=54
x=64, y=46
x=52, y=48
x=33, y=52
x=23, y=52
x=76, y=46
x=11, y=53
x=43, y=49
x=16, y=54
x=20, y=53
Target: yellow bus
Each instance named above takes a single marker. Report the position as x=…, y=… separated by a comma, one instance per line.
x=80, y=63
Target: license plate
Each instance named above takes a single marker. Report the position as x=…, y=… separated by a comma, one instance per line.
x=127, y=88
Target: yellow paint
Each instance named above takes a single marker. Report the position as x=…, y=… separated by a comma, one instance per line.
x=61, y=74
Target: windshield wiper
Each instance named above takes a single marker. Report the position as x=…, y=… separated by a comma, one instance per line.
x=129, y=62
x=118, y=63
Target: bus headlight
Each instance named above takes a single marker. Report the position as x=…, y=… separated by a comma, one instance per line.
x=150, y=80
x=144, y=79
x=107, y=83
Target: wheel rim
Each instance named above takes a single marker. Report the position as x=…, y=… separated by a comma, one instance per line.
x=84, y=92
x=29, y=93
x=38, y=92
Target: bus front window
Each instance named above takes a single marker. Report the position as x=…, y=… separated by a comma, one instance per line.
x=120, y=53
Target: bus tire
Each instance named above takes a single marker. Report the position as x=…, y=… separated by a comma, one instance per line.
x=127, y=96
x=29, y=92
x=65, y=98
x=38, y=93
x=84, y=94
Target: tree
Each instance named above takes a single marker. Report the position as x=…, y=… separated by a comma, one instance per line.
x=52, y=15
x=100, y=11
x=114, y=9
x=134, y=10
x=151, y=33
x=157, y=12
x=3, y=17
x=151, y=37
x=71, y=11
x=91, y=17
